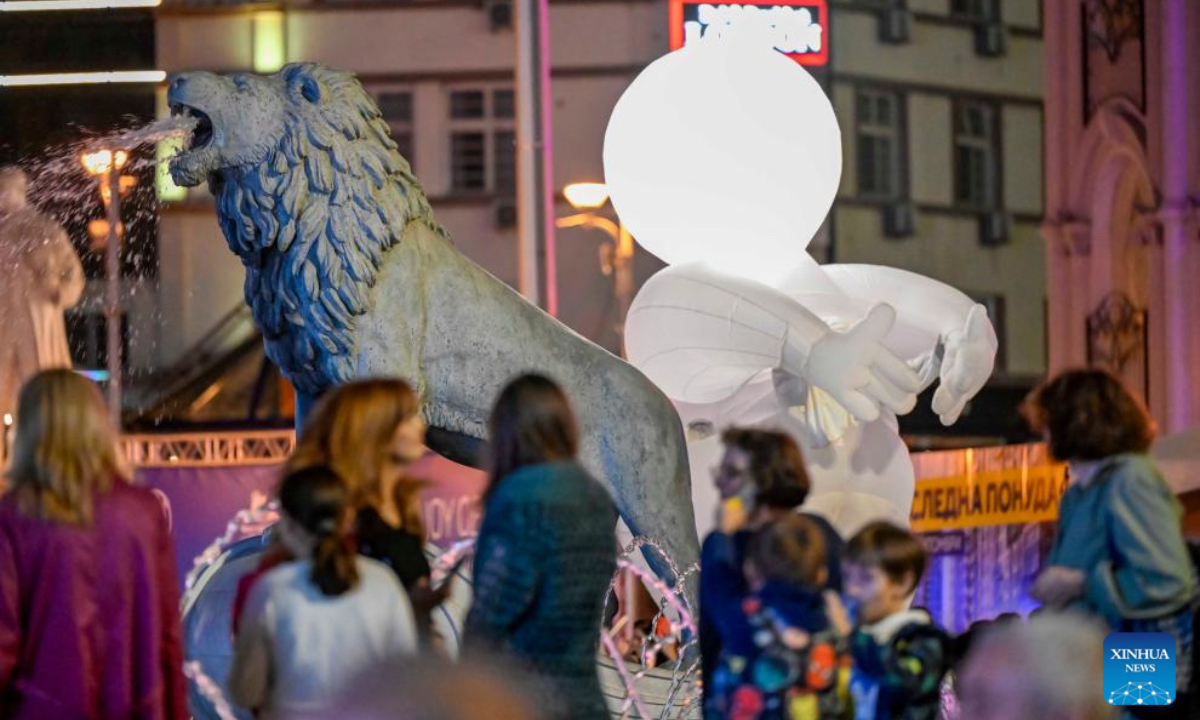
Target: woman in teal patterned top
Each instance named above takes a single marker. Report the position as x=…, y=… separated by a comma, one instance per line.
x=1120, y=554
x=546, y=550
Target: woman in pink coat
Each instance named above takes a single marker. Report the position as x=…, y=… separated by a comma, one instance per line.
x=89, y=600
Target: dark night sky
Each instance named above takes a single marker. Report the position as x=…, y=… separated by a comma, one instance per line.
x=32, y=118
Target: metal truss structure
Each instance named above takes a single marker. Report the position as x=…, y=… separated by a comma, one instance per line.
x=212, y=449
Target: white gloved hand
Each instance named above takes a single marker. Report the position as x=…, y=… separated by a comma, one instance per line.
x=856, y=370
x=970, y=355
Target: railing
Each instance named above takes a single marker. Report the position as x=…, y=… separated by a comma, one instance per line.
x=209, y=449
x=231, y=330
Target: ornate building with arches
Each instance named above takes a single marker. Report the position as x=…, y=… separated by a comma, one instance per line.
x=1122, y=225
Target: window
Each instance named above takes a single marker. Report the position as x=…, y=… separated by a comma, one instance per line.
x=504, y=104
x=397, y=109
x=976, y=155
x=396, y=106
x=972, y=9
x=468, y=161
x=467, y=104
x=880, y=144
x=483, y=157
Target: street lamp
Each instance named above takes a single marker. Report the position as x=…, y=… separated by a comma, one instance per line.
x=586, y=195
x=105, y=165
x=8, y=423
x=587, y=198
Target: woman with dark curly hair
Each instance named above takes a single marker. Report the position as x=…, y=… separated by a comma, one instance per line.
x=1120, y=553
x=761, y=479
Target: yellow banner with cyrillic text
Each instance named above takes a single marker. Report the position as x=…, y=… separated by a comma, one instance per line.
x=1013, y=496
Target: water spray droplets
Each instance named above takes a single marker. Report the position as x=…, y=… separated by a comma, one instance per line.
x=61, y=188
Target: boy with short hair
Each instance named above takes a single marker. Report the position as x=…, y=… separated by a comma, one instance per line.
x=900, y=656
x=784, y=644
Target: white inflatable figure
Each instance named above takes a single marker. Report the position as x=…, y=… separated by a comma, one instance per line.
x=723, y=159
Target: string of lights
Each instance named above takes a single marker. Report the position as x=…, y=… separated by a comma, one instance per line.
x=83, y=78
x=53, y=5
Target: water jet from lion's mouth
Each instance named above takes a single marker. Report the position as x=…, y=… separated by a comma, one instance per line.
x=201, y=130
x=152, y=132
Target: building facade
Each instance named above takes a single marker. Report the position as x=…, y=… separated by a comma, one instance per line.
x=940, y=104
x=1123, y=195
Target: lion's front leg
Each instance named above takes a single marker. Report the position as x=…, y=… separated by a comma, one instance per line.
x=304, y=405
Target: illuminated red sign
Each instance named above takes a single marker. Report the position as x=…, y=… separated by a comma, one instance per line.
x=798, y=28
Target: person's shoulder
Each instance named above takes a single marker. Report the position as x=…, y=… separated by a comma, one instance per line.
x=272, y=587
x=919, y=629
x=1129, y=464
x=377, y=579
x=376, y=572
x=714, y=539
x=128, y=495
x=823, y=524
x=517, y=484
x=11, y=517
x=372, y=568
x=368, y=519
x=546, y=481
x=8, y=505
x=1135, y=473
x=130, y=502
x=284, y=574
x=718, y=543
x=722, y=555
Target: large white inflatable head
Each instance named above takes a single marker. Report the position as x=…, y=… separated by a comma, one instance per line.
x=725, y=152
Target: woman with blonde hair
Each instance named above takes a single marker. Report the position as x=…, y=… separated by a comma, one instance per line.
x=89, y=598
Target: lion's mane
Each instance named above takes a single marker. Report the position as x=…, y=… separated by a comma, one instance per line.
x=312, y=221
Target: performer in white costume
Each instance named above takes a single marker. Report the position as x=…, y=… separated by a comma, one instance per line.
x=723, y=159
x=40, y=277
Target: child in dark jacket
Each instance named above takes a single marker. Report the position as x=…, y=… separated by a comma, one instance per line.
x=900, y=656
x=783, y=645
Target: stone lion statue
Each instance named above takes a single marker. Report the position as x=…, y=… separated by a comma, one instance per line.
x=350, y=275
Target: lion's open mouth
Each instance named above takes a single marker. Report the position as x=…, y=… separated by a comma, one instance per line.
x=202, y=132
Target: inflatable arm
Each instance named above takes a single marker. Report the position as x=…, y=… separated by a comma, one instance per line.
x=920, y=302
x=701, y=334
x=966, y=338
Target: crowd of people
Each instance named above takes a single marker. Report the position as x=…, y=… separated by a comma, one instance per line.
x=795, y=622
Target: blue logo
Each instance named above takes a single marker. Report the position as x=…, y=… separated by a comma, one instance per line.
x=1139, y=669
